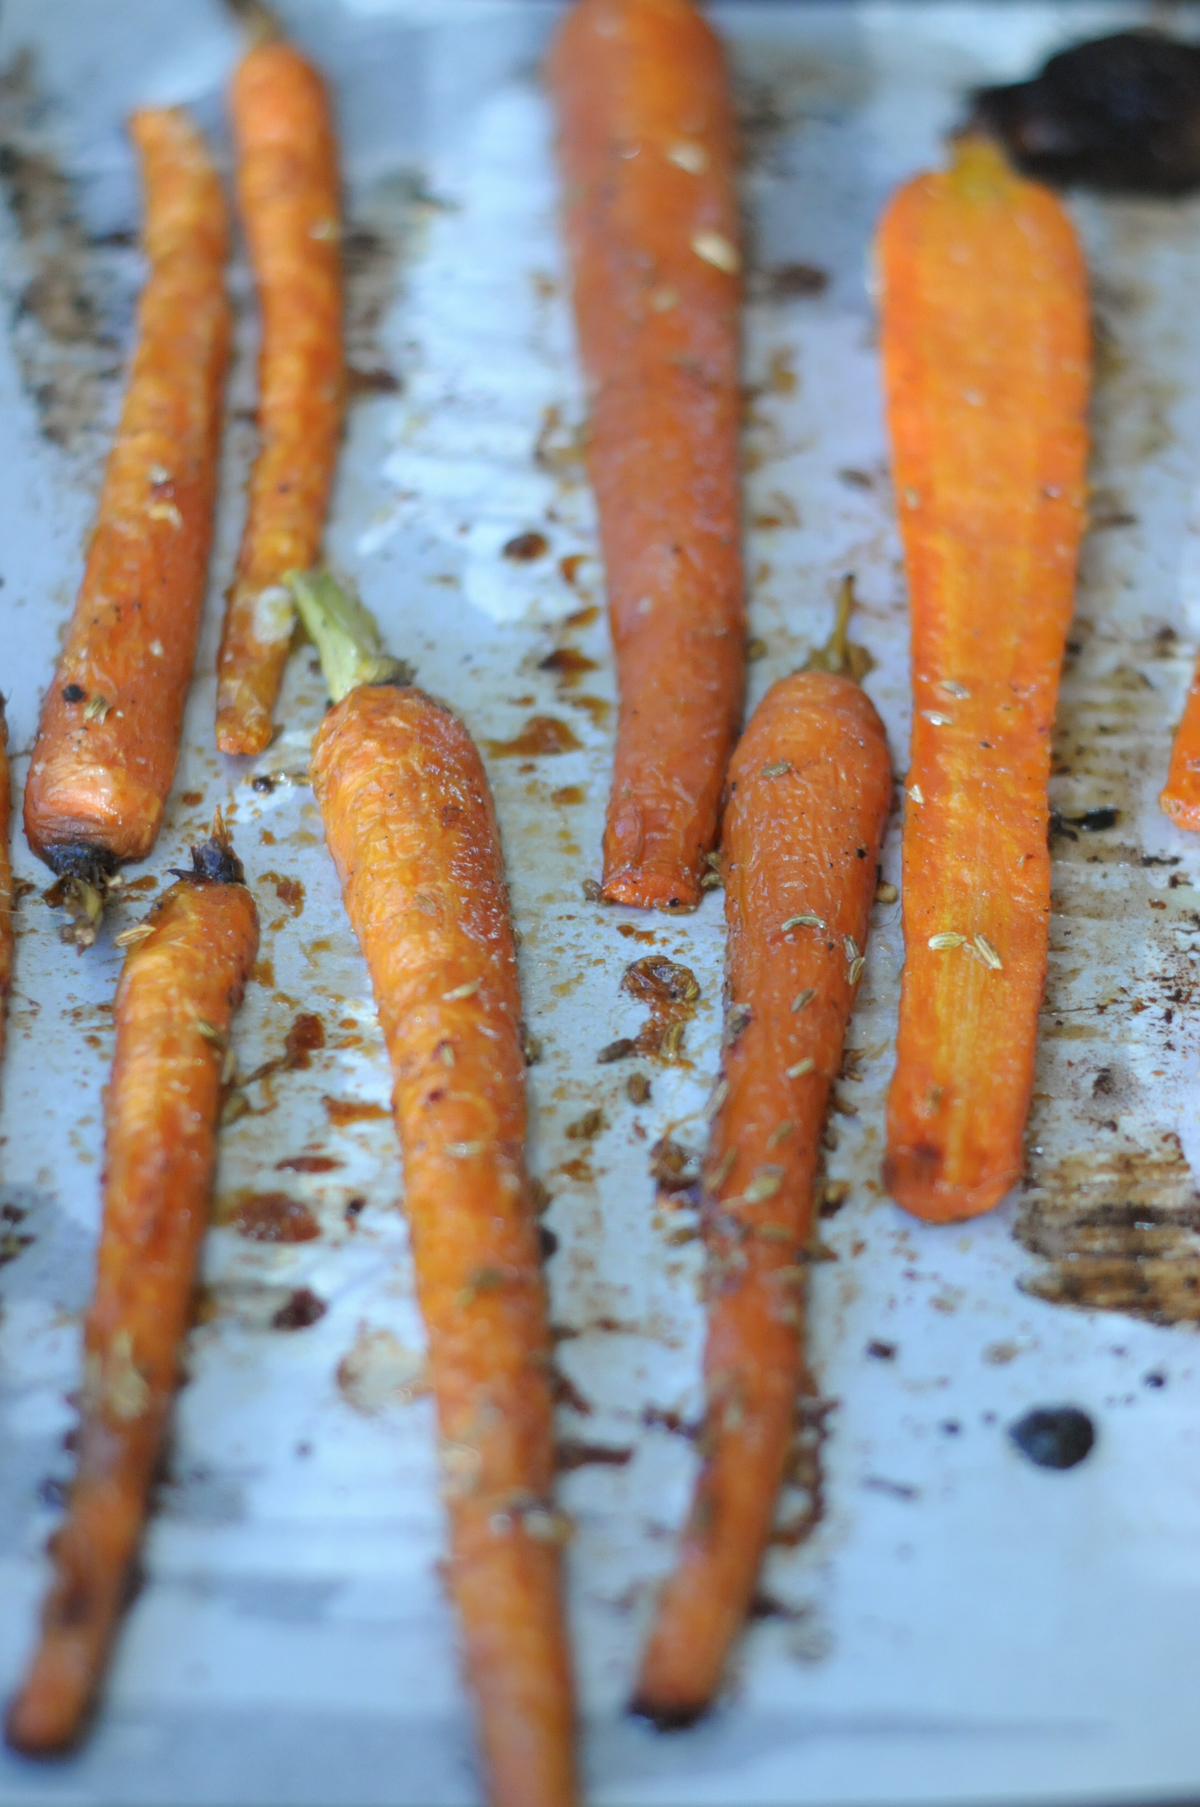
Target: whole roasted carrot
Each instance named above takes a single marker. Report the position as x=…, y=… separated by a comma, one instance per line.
x=809, y=792
x=647, y=153
x=180, y=985
x=290, y=206
x=986, y=359
x=109, y=734
x=409, y=822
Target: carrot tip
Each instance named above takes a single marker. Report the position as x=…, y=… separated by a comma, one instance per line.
x=909, y=1177
x=666, y=1716
x=674, y=892
x=1183, y=811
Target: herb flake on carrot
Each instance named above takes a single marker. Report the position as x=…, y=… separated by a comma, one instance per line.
x=288, y=190
x=647, y=153
x=180, y=985
x=810, y=788
x=985, y=346
x=410, y=824
x=108, y=739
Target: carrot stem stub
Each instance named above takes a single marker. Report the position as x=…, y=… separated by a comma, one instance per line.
x=410, y=824
x=108, y=739
x=986, y=361
x=180, y=986
x=290, y=205
x=809, y=793
x=647, y=152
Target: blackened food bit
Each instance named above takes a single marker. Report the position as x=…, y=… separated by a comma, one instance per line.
x=1054, y=1436
x=1120, y=113
x=73, y=693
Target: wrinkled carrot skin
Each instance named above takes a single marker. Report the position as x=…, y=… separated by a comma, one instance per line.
x=99, y=781
x=639, y=83
x=804, y=841
x=986, y=363
x=409, y=821
x=161, y=1119
x=290, y=205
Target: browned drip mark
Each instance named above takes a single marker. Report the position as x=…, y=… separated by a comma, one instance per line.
x=341, y=1111
x=568, y=665
x=542, y=736
x=268, y=1217
x=671, y=993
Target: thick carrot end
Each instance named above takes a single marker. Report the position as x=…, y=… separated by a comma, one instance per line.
x=911, y=1178
x=50, y=1715
x=644, y=888
x=1181, y=802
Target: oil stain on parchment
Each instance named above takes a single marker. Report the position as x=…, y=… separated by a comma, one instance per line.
x=1111, y=1207
x=66, y=289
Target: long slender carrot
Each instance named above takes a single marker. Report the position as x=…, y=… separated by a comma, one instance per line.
x=109, y=733
x=290, y=205
x=648, y=162
x=409, y=822
x=180, y=985
x=809, y=792
x=986, y=361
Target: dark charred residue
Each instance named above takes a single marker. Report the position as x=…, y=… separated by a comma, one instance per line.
x=573, y=1453
x=1054, y=1436
x=895, y=1490
x=541, y=737
x=1091, y=821
x=671, y=993
x=215, y=863
x=587, y=1127
x=1116, y=1230
x=789, y=282
x=1121, y=113
x=62, y=333
x=270, y=1217
x=621, y=1049
x=264, y=783
x=12, y=1239
x=658, y=1418
x=805, y=1473
x=547, y=1241
x=302, y=1309
x=525, y=548
x=378, y=380
x=565, y=1392
x=880, y=1351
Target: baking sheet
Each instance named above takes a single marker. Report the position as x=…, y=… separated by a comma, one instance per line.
x=958, y=1625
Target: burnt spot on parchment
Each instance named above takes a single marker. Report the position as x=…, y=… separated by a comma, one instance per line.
x=376, y=242
x=65, y=291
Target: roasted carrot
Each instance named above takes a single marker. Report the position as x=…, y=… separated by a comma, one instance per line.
x=809, y=792
x=109, y=733
x=1180, y=796
x=180, y=985
x=986, y=362
x=290, y=206
x=410, y=824
x=647, y=154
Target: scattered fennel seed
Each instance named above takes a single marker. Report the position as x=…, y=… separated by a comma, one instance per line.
x=939, y=942
x=139, y=932
x=765, y=1184
x=953, y=689
x=462, y=991
x=856, y=967
x=777, y=768
x=937, y=718
x=988, y=954
x=720, y=1093
x=804, y=998
x=801, y=1068
x=717, y=250
x=916, y=793
x=805, y=921
x=851, y=947
x=96, y=708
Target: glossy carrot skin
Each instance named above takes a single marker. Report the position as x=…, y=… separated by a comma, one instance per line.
x=802, y=841
x=647, y=153
x=986, y=362
x=177, y=995
x=108, y=739
x=1180, y=796
x=290, y=205
x=409, y=821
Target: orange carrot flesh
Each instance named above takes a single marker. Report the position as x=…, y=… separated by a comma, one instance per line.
x=809, y=793
x=108, y=739
x=290, y=205
x=409, y=821
x=180, y=985
x=1180, y=796
x=647, y=154
x=986, y=361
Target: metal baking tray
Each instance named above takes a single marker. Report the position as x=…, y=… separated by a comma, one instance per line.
x=942, y=1621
